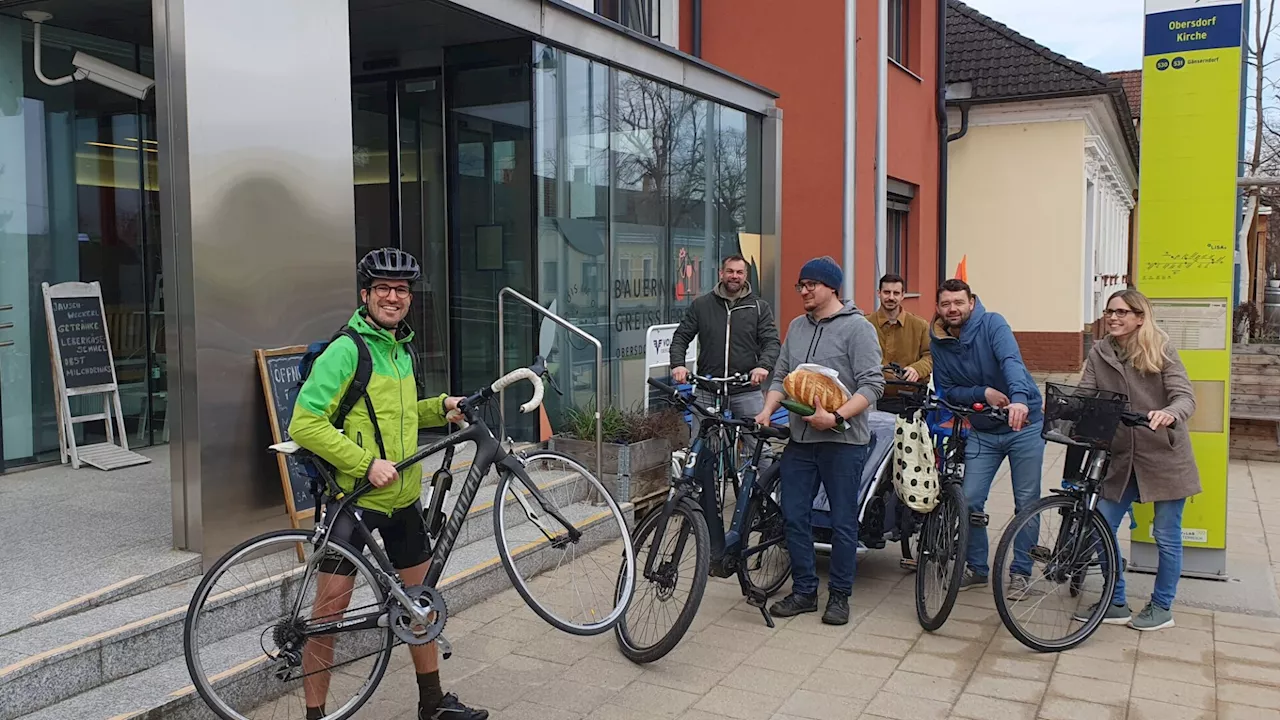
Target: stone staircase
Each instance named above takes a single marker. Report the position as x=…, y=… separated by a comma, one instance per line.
x=121, y=655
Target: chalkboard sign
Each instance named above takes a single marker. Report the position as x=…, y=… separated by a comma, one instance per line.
x=278, y=369
x=81, y=335
x=80, y=356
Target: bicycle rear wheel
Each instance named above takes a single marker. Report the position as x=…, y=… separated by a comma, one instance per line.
x=941, y=545
x=1069, y=559
x=765, y=560
x=247, y=650
x=570, y=584
x=674, y=593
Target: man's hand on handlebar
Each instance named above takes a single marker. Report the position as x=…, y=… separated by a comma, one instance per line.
x=759, y=375
x=911, y=375
x=382, y=473
x=680, y=375
x=1017, y=415
x=1157, y=419
x=764, y=418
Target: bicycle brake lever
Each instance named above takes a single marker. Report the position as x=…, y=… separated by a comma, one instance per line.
x=552, y=382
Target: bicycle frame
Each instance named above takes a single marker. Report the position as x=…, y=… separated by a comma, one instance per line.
x=724, y=543
x=489, y=452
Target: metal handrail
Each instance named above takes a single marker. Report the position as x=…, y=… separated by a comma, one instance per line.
x=502, y=425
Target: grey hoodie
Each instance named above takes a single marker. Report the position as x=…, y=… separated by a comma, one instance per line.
x=847, y=343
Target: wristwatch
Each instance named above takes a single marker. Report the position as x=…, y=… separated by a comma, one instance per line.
x=839, y=419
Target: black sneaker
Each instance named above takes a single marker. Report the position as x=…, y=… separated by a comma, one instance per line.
x=452, y=709
x=837, y=610
x=794, y=604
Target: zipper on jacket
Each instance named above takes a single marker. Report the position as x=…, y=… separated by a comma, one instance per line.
x=728, y=334
x=395, y=363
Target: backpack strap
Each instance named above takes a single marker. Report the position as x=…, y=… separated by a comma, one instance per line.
x=359, y=387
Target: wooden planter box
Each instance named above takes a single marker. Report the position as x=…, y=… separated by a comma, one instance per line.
x=630, y=471
x=1255, y=402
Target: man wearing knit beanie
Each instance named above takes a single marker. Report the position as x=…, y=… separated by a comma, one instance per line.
x=827, y=448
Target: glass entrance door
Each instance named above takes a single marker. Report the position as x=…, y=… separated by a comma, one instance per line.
x=398, y=156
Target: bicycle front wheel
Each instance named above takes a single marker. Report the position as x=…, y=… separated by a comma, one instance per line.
x=568, y=583
x=246, y=637
x=941, y=545
x=1055, y=573
x=665, y=603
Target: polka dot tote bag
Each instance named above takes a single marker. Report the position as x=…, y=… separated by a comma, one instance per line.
x=915, y=475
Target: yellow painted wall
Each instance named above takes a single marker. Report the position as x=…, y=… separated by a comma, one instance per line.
x=1015, y=206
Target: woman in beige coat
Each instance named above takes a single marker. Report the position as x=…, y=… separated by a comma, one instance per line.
x=1147, y=465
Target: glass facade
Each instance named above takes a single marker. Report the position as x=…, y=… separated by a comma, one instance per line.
x=78, y=201
x=642, y=189
x=607, y=196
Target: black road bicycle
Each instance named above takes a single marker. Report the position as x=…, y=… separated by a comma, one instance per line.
x=264, y=632
x=1062, y=544
x=942, y=534
x=671, y=579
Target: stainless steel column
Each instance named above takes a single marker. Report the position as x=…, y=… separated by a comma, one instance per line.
x=771, y=280
x=254, y=103
x=850, y=144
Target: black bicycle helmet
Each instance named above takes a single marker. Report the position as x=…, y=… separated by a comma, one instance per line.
x=388, y=264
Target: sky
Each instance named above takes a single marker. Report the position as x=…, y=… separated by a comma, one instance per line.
x=1106, y=35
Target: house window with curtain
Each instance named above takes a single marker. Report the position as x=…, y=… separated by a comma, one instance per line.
x=898, y=31
x=896, y=219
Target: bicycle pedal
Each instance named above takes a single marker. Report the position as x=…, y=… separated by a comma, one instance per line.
x=979, y=519
x=909, y=565
x=1040, y=553
x=445, y=647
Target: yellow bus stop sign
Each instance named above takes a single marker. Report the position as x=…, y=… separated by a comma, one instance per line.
x=1186, y=244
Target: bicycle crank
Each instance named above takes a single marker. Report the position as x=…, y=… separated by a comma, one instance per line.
x=407, y=628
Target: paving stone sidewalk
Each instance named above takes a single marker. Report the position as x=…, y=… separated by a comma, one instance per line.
x=731, y=667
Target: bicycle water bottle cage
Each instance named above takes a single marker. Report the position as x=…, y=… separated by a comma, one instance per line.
x=979, y=519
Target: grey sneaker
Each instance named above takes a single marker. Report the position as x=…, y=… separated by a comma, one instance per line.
x=1116, y=614
x=1020, y=587
x=1152, y=617
x=794, y=604
x=972, y=580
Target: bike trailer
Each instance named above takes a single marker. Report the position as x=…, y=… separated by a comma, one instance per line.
x=875, y=471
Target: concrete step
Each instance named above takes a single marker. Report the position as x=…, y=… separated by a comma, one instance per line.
x=140, y=578
x=164, y=689
x=59, y=659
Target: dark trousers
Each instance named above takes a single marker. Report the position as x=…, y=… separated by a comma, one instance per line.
x=838, y=467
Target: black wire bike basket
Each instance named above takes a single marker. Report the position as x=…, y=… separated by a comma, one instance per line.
x=1082, y=417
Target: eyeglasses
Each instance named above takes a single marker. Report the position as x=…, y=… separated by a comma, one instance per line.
x=383, y=291
x=808, y=285
x=1119, y=313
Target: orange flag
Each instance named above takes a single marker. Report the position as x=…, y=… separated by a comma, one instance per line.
x=962, y=270
x=544, y=424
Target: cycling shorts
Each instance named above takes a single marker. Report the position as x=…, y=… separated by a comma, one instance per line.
x=403, y=532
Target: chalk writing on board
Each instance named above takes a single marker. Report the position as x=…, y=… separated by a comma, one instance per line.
x=82, y=342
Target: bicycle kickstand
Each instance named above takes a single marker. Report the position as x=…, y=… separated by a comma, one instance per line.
x=757, y=598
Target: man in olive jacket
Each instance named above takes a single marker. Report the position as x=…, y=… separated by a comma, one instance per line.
x=736, y=334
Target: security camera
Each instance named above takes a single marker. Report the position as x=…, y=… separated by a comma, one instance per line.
x=88, y=67
x=106, y=74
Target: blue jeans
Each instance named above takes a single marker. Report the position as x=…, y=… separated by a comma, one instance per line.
x=984, y=453
x=1167, y=531
x=838, y=467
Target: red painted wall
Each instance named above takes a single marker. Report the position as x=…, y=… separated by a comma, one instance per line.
x=797, y=50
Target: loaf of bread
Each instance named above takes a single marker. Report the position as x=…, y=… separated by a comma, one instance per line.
x=814, y=389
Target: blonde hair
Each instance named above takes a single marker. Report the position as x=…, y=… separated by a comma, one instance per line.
x=1146, y=346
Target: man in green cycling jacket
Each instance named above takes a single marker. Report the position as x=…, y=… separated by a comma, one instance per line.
x=394, y=507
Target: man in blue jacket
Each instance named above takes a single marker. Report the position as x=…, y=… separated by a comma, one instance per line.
x=976, y=360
